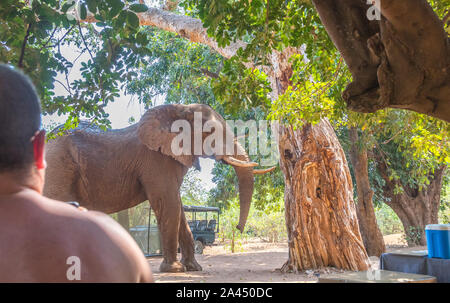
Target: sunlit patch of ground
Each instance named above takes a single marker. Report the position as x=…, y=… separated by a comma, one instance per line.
x=395, y=240
x=259, y=262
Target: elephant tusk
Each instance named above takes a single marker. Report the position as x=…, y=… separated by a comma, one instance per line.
x=264, y=171
x=239, y=163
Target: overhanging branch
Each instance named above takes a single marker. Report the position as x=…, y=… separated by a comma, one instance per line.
x=400, y=61
x=187, y=27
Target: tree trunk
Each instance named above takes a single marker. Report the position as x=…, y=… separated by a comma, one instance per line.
x=415, y=208
x=415, y=213
x=124, y=219
x=320, y=214
x=371, y=234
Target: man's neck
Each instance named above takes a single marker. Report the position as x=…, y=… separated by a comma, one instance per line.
x=12, y=183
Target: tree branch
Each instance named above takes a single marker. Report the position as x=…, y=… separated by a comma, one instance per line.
x=65, y=87
x=84, y=41
x=187, y=27
x=24, y=44
x=209, y=73
x=68, y=31
x=49, y=38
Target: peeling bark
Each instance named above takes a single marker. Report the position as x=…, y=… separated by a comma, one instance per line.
x=320, y=214
x=187, y=27
x=400, y=61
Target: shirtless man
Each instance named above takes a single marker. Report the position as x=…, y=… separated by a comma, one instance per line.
x=43, y=240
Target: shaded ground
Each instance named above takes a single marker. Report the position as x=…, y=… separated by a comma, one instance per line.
x=259, y=263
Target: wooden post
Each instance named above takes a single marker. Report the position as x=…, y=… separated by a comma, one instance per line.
x=232, y=242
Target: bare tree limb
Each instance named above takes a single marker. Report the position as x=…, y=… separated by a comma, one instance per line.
x=84, y=42
x=209, y=73
x=187, y=27
x=64, y=86
x=49, y=38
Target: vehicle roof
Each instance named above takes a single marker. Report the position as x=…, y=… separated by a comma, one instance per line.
x=194, y=208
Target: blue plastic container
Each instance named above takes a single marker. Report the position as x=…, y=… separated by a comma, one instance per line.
x=438, y=240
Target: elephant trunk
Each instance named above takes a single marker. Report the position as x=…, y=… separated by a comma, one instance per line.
x=245, y=177
x=246, y=181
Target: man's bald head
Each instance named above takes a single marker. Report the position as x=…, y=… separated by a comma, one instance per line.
x=20, y=118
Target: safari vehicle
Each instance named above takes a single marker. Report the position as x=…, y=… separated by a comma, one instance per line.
x=203, y=230
x=147, y=235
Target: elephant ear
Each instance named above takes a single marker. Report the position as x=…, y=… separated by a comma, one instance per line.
x=154, y=130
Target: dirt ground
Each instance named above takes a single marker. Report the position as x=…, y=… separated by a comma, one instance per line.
x=260, y=262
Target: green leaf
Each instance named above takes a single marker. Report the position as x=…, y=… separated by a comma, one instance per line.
x=66, y=7
x=116, y=7
x=121, y=19
x=138, y=8
x=83, y=11
x=92, y=6
x=132, y=19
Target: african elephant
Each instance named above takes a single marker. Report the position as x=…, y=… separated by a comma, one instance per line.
x=114, y=170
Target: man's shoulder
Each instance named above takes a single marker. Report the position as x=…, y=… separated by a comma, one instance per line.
x=99, y=234
x=58, y=220
x=55, y=230
x=82, y=218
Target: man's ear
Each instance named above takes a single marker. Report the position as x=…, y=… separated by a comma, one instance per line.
x=39, y=149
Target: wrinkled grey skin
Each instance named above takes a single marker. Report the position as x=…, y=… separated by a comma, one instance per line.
x=118, y=169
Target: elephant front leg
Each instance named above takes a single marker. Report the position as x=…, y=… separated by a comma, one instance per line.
x=186, y=241
x=168, y=215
